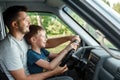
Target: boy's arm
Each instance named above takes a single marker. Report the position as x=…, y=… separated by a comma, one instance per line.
x=53, y=55
x=56, y=61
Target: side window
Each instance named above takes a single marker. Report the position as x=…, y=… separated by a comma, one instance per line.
x=53, y=25
x=88, y=28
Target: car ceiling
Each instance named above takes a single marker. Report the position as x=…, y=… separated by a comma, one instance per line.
x=52, y=3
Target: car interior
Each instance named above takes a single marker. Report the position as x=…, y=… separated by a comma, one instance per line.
x=98, y=56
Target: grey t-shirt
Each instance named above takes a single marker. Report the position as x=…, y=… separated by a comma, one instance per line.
x=13, y=55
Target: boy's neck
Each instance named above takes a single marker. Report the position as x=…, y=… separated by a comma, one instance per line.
x=36, y=49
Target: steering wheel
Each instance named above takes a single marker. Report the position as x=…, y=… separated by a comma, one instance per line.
x=73, y=55
x=67, y=57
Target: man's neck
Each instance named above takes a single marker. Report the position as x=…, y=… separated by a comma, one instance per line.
x=17, y=36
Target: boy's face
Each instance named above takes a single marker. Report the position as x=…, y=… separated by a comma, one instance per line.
x=41, y=39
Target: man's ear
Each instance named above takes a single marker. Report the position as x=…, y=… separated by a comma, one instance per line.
x=14, y=24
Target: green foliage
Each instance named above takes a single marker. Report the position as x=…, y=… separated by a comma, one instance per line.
x=53, y=25
x=107, y=2
x=33, y=18
x=59, y=48
x=116, y=7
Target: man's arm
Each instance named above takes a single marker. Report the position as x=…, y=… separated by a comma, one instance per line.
x=20, y=75
x=54, y=42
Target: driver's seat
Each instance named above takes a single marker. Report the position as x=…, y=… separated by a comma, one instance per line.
x=2, y=35
x=2, y=74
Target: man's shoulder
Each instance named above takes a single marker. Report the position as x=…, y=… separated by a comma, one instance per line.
x=7, y=41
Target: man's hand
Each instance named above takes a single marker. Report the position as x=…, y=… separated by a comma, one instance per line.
x=75, y=41
x=59, y=70
x=76, y=37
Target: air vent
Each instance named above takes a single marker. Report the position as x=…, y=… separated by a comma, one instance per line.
x=91, y=66
x=117, y=76
x=94, y=59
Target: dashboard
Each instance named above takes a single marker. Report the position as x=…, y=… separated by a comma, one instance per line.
x=101, y=66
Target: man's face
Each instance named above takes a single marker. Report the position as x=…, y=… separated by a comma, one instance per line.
x=23, y=22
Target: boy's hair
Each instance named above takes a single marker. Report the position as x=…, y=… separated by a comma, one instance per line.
x=11, y=13
x=34, y=29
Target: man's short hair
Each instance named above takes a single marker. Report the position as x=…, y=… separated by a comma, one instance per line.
x=11, y=13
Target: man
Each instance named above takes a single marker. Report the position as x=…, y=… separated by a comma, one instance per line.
x=14, y=48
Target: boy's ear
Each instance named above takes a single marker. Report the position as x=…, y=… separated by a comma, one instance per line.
x=32, y=39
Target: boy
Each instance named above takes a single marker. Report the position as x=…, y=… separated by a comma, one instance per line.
x=37, y=55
